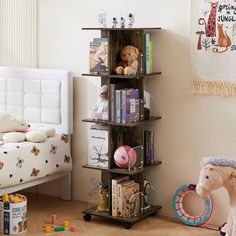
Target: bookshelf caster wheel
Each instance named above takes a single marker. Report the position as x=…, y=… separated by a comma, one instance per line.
x=87, y=217
x=127, y=225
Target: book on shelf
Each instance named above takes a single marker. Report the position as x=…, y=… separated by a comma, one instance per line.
x=124, y=103
x=114, y=97
x=98, y=58
x=148, y=53
x=130, y=105
x=98, y=146
x=134, y=106
x=118, y=105
x=148, y=147
x=131, y=200
x=114, y=191
x=120, y=196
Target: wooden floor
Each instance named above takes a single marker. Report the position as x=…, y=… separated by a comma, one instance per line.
x=41, y=207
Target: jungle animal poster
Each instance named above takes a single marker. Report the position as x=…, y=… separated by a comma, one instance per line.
x=213, y=47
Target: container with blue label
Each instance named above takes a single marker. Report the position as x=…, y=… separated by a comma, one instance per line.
x=13, y=214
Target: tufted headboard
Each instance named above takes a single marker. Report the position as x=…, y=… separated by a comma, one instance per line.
x=40, y=96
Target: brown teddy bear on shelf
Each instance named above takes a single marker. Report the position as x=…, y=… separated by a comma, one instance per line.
x=129, y=61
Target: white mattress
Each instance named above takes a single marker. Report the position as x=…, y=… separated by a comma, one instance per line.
x=26, y=161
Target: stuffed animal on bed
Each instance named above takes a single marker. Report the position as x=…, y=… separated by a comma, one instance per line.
x=13, y=129
x=10, y=123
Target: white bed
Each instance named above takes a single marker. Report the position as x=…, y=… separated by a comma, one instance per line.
x=40, y=96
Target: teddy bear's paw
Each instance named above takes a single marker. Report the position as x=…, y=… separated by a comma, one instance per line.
x=14, y=137
x=49, y=131
x=119, y=70
x=129, y=71
x=36, y=136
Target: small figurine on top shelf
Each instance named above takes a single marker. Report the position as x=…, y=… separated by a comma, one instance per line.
x=122, y=22
x=100, y=109
x=131, y=20
x=102, y=19
x=114, y=22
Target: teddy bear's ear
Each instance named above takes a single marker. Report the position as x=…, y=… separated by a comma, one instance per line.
x=136, y=51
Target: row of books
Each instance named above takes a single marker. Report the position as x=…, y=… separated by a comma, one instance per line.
x=125, y=103
x=149, y=53
x=148, y=147
x=98, y=58
x=126, y=198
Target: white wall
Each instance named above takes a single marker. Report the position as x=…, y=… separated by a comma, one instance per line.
x=191, y=126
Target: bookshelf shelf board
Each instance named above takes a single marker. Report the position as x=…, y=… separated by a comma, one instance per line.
x=96, y=75
x=155, y=163
x=122, y=29
x=150, y=211
x=122, y=76
x=95, y=167
x=123, y=171
x=105, y=122
x=152, y=118
x=126, y=171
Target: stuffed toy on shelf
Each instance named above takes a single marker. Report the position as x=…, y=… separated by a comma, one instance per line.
x=129, y=61
x=100, y=109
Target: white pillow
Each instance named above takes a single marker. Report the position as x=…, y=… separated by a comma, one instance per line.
x=13, y=137
x=36, y=136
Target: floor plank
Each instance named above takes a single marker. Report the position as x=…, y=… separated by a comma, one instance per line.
x=41, y=207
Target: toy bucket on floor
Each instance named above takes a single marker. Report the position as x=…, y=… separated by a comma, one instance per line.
x=13, y=214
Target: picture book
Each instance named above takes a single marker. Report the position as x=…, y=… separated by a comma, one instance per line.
x=120, y=196
x=114, y=189
x=99, y=56
x=98, y=146
x=131, y=200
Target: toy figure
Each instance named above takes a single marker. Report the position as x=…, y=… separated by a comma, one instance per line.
x=102, y=19
x=122, y=22
x=114, y=22
x=131, y=20
x=128, y=64
x=100, y=109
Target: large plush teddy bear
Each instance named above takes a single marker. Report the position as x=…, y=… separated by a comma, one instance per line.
x=13, y=129
x=129, y=61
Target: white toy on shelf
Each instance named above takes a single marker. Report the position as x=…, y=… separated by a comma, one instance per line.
x=100, y=109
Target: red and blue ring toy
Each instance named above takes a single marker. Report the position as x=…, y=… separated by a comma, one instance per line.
x=182, y=215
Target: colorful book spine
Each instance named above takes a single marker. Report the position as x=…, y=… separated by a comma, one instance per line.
x=112, y=102
x=147, y=51
x=118, y=106
x=124, y=106
x=151, y=56
x=134, y=106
